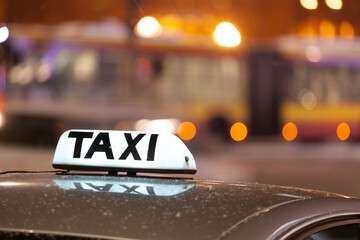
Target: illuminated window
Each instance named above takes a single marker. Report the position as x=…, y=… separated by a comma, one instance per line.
x=238, y=131
x=290, y=131
x=85, y=66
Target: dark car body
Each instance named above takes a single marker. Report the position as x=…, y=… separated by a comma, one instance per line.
x=102, y=206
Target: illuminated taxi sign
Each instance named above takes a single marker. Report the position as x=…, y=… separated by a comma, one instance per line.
x=97, y=150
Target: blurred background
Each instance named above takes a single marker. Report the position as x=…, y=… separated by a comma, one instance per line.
x=260, y=90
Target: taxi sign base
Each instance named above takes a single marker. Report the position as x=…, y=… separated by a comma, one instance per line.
x=128, y=170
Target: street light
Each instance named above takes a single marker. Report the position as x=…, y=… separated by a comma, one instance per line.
x=227, y=35
x=334, y=4
x=309, y=4
x=148, y=27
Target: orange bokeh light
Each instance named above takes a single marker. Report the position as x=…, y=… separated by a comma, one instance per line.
x=186, y=130
x=238, y=131
x=289, y=131
x=122, y=126
x=343, y=131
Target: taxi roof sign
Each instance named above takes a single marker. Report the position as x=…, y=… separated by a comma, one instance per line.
x=123, y=151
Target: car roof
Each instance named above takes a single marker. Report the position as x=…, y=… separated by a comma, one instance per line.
x=139, y=207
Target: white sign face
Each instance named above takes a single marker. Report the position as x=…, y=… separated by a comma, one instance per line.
x=97, y=150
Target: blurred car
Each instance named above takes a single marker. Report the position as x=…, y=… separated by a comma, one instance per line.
x=67, y=205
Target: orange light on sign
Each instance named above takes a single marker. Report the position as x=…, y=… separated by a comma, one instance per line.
x=186, y=130
x=343, y=131
x=289, y=131
x=238, y=131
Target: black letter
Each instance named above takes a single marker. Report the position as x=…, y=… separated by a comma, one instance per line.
x=131, y=146
x=150, y=190
x=79, y=139
x=79, y=187
x=130, y=189
x=105, y=188
x=104, y=147
x=152, y=145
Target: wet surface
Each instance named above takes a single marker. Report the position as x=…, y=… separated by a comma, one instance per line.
x=120, y=206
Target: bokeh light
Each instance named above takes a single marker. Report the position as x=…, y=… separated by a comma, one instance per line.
x=43, y=72
x=313, y=54
x=308, y=99
x=343, y=131
x=4, y=34
x=85, y=65
x=187, y=131
x=141, y=125
x=163, y=125
x=148, y=27
x=2, y=120
x=238, y=131
x=347, y=30
x=227, y=35
x=309, y=4
x=122, y=126
x=289, y=131
x=334, y=4
x=327, y=29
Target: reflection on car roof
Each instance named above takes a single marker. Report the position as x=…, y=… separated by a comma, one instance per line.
x=136, y=207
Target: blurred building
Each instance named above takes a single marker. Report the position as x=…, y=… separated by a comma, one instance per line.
x=292, y=61
x=256, y=19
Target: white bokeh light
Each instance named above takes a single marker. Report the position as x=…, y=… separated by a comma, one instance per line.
x=4, y=34
x=148, y=27
x=227, y=35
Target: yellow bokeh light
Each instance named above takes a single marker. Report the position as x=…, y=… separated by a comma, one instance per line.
x=148, y=27
x=171, y=21
x=327, y=29
x=334, y=4
x=186, y=130
x=347, y=30
x=309, y=4
x=227, y=35
x=238, y=131
x=343, y=131
x=289, y=131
